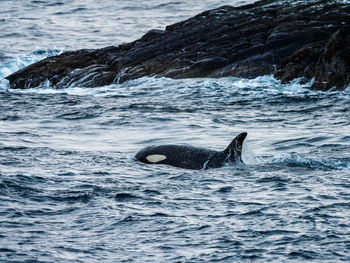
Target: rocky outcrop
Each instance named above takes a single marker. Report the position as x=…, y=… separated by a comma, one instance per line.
x=289, y=39
x=328, y=62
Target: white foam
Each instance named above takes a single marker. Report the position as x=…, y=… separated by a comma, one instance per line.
x=248, y=155
x=4, y=85
x=10, y=66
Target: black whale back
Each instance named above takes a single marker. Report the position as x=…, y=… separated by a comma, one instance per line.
x=189, y=157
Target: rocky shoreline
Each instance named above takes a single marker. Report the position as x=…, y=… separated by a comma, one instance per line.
x=294, y=39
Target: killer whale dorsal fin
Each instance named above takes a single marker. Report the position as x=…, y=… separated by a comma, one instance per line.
x=234, y=149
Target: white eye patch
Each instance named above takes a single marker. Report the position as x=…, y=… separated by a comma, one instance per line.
x=155, y=158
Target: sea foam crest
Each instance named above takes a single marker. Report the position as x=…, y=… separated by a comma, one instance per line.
x=10, y=66
x=267, y=85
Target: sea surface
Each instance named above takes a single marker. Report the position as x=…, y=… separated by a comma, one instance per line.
x=71, y=190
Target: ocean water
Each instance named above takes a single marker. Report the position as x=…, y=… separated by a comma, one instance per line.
x=71, y=190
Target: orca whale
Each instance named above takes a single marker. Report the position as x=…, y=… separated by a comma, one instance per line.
x=192, y=157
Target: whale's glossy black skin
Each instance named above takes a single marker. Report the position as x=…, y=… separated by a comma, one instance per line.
x=192, y=157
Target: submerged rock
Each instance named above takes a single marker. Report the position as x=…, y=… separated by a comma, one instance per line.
x=288, y=39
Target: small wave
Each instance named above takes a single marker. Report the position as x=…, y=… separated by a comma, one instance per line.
x=165, y=5
x=122, y=197
x=55, y=4
x=254, y=212
x=10, y=187
x=79, y=115
x=304, y=254
x=159, y=214
x=48, y=89
x=10, y=66
x=9, y=117
x=225, y=189
x=274, y=179
x=38, y=2
x=269, y=84
x=315, y=164
x=13, y=148
x=152, y=192
x=277, y=232
x=126, y=220
x=7, y=250
x=70, y=196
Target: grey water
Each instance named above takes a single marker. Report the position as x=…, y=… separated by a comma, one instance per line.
x=71, y=191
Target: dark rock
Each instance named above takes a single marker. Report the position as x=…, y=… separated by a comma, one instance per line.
x=299, y=38
x=328, y=62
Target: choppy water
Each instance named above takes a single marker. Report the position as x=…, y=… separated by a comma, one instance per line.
x=70, y=190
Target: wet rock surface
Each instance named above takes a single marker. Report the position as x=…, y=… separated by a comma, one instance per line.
x=307, y=39
x=328, y=62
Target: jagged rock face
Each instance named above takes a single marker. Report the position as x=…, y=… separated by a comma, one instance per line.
x=245, y=41
x=327, y=61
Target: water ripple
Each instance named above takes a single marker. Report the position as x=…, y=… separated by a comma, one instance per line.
x=70, y=189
